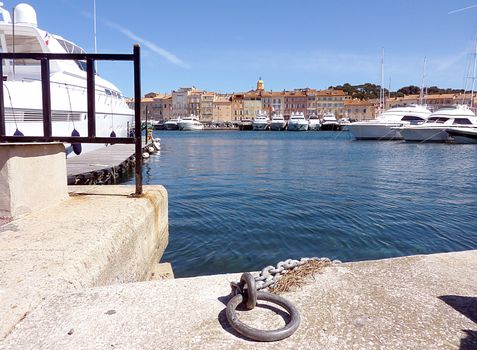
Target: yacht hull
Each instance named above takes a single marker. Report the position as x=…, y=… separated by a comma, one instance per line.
x=461, y=135
x=314, y=126
x=259, y=126
x=367, y=131
x=330, y=127
x=424, y=134
x=171, y=126
x=278, y=126
x=297, y=127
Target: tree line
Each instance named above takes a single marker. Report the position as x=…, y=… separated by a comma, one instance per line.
x=371, y=91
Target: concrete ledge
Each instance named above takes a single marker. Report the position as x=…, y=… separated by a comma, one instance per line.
x=418, y=302
x=100, y=236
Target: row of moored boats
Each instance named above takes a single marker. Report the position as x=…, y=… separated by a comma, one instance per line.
x=416, y=123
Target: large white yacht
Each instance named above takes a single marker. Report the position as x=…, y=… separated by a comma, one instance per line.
x=329, y=122
x=278, y=122
x=435, y=128
x=297, y=122
x=314, y=122
x=383, y=127
x=172, y=124
x=261, y=121
x=190, y=123
x=463, y=135
x=22, y=86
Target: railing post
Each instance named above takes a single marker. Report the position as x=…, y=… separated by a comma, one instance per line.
x=137, y=118
x=2, y=104
x=90, y=88
x=46, y=96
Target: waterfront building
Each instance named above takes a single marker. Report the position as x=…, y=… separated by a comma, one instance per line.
x=295, y=102
x=331, y=101
x=154, y=106
x=222, y=111
x=358, y=110
x=434, y=102
x=184, y=102
x=237, y=101
x=252, y=104
x=273, y=102
x=206, y=107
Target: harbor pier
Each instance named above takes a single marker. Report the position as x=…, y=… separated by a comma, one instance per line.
x=415, y=302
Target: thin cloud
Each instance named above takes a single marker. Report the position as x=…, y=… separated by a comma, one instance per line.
x=150, y=45
x=462, y=9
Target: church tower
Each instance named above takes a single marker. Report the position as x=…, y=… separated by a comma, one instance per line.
x=260, y=86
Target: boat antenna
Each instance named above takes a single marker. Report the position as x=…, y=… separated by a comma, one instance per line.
x=94, y=34
x=13, y=41
x=422, y=94
x=474, y=67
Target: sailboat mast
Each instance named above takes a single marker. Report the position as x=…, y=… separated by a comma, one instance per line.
x=474, y=67
x=421, y=95
x=381, y=91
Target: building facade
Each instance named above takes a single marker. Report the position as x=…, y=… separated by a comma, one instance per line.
x=358, y=110
x=222, y=112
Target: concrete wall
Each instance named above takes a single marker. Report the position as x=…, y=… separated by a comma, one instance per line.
x=32, y=177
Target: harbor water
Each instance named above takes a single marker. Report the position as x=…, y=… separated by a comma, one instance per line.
x=239, y=201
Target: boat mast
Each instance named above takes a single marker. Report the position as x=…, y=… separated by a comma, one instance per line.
x=422, y=95
x=381, y=90
x=474, y=67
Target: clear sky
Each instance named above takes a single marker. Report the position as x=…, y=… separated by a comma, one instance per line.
x=225, y=46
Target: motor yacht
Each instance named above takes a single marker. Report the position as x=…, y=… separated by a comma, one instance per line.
x=383, y=127
x=329, y=122
x=246, y=124
x=313, y=122
x=436, y=126
x=190, y=123
x=172, y=124
x=278, y=122
x=22, y=87
x=463, y=135
x=261, y=121
x=344, y=124
x=297, y=122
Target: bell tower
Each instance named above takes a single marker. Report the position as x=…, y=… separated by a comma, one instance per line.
x=260, y=86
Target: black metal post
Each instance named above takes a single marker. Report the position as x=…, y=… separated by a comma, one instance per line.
x=90, y=86
x=46, y=96
x=2, y=104
x=137, y=117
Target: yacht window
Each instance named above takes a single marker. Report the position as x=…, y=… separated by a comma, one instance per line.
x=410, y=118
x=440, y=120
x=23, y=44
x=108, y=92
x=462, y=121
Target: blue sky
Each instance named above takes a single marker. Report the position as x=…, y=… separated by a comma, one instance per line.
x=225, y=46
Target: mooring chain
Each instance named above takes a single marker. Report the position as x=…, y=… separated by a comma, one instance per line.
x=247, y=292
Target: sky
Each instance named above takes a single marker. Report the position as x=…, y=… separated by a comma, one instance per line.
x=225, y=46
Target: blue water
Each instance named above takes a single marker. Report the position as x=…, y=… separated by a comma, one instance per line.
x=239, y=201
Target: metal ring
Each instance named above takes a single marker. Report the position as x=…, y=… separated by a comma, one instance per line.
x=264, y=335
x=247, y=280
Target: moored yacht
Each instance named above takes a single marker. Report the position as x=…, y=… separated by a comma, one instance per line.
x=297, y=122
x=246, y=124
x=313, y=122
x=463, y=135
x=261, y=121
x=23, y=88
x=329, y=122
x=384, y=126
x=278, y=122
x=436, y=126
x=172, y=124
x=190, y=123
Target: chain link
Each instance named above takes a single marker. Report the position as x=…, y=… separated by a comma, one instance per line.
x=271, y=274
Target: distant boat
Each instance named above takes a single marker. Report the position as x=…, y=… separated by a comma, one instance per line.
x=344, y=124
x=314, y=122
x=463, y=135
x=329, y=122
x=190, y=123
x=246, y=124
x=172, y=124
x=261, y=121
x=436, y=126
x=278, y=122
x=384, y=126
x=297, y=122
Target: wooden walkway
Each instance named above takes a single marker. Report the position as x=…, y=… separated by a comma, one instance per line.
x=103, y=166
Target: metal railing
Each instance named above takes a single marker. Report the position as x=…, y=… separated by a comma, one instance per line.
x=90, y=59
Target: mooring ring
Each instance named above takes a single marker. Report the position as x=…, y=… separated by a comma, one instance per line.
x=247, y=280
x=258, y=334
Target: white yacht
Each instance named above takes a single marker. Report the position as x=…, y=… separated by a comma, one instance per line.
x=22, y=86
x=463, y=135
x=297, y=122
x=190, y=123
x=313, y=122
x=172, y=124
x=384, y=126
x=261, y=121
x=278, y=122
x=344, y=124
x=329, y=122
x=435, y=128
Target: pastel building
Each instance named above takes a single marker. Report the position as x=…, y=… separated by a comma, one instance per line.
x=273, y=102
x=295, y=102
x=206, y=107
x=360, y=109
x=222, y=111
x=331, y=101
x=237, y=107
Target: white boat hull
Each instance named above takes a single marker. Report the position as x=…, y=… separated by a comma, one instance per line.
x=424, y=134
x=375, y=131
x=259, y=126
x=297, y=126
x=314, y=126
x=277, y=126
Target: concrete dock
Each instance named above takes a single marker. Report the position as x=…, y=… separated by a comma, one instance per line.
x=416, y=302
